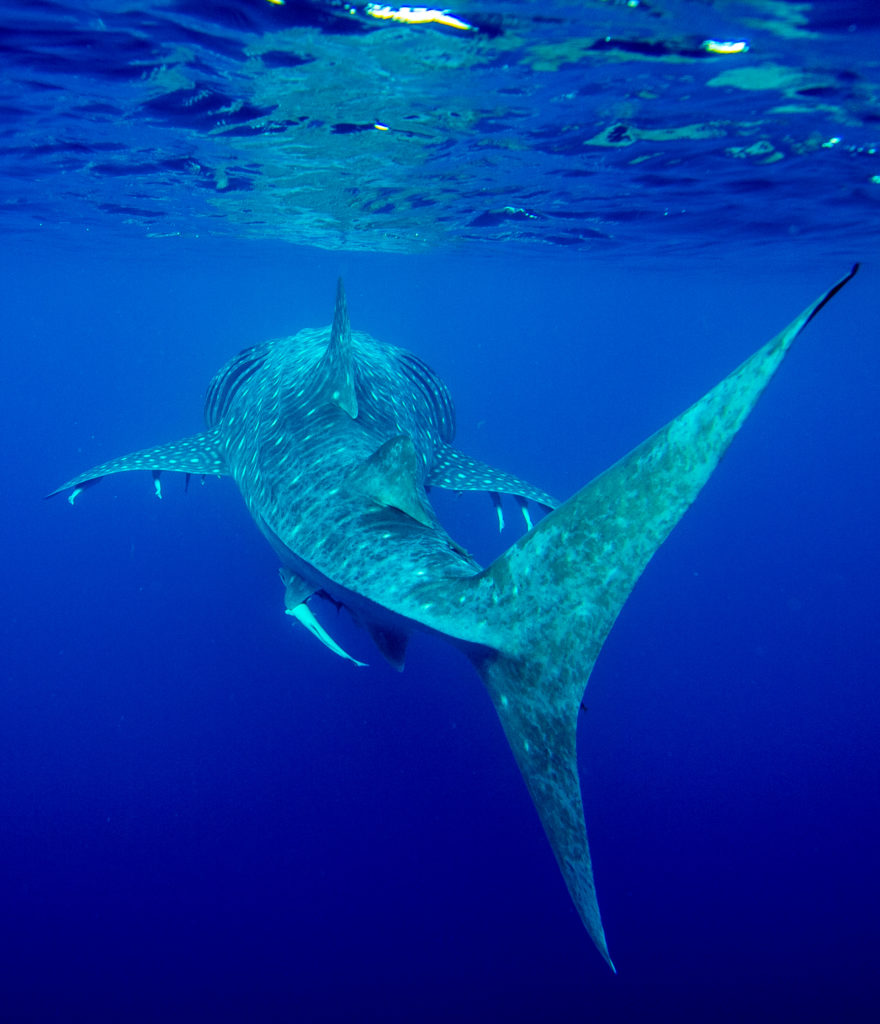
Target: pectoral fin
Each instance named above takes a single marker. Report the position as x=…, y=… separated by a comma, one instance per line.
x=200, y=453
x=456, y=471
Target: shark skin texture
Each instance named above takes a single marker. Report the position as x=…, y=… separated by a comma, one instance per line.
x=334, y=439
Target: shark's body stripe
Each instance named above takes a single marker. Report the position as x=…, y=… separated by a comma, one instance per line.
x=333, y=438
x=224, y=385
x=434, y=392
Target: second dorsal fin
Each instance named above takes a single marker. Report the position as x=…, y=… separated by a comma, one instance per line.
x=390, y=477
x=337, y=369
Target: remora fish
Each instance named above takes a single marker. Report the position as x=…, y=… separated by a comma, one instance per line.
x=334, y=437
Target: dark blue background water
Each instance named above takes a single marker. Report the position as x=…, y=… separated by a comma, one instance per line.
x=206, y=816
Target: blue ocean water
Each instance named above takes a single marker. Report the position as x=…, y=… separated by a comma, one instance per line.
x=205, y=815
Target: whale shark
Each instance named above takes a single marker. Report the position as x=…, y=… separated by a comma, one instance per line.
x=335, y=439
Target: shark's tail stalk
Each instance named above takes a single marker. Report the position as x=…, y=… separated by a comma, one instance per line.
x=549, y=602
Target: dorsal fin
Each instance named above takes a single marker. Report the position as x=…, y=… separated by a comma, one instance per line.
x=391, y=477
x=337, y=367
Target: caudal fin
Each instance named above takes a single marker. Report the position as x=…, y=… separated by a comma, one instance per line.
x=549, y=602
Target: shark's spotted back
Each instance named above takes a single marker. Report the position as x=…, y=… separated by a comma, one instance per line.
x=335, y=438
